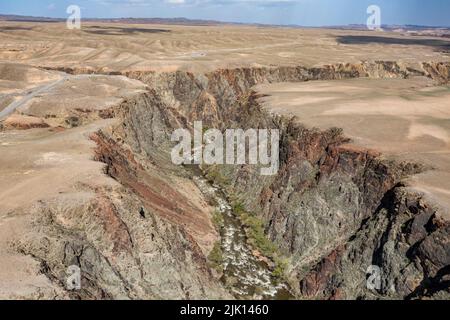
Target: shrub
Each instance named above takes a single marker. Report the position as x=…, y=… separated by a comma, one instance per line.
x=254, y=227
x=215, y=257
x=214, y=175
x=217, y=219
x=238, y=208
x=280, y=268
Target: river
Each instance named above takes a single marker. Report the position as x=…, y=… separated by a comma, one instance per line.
x=243, y=273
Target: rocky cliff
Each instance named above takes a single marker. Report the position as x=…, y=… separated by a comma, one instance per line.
x=331, y=210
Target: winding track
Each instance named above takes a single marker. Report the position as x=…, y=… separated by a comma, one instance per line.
x=41, y=89
x=34, y=92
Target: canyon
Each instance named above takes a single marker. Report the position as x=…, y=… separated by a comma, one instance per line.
x=87, y=178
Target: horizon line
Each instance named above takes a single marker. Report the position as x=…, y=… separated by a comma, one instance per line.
x=212, y=21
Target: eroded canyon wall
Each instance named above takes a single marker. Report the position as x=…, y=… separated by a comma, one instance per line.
x=332, y=210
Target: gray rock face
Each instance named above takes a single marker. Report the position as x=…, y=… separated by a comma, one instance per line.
x=121, y=254
x=405, y=240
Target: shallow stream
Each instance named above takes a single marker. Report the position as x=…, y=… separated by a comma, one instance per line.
x=243, y=273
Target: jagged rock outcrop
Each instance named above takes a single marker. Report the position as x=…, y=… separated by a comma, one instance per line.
x=121, y=254
x=405, y=239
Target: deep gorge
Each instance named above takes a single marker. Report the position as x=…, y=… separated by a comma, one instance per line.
x=331, y=211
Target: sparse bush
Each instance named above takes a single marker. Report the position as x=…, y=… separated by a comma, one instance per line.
x=217, y=219
x=73, y=121
x=254, y=228
x=238, y=208
x=280, y=267
x=257, y=235
x=215, y=257
x=214, y=175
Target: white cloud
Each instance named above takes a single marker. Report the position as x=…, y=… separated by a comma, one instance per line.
x=175, y=1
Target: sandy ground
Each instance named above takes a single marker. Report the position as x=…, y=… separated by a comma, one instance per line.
x=17, y=80
x=404, y=119
x=119, y=47
x=56, y=95
x=16, y=77
x=38, y=165
x=83, y=93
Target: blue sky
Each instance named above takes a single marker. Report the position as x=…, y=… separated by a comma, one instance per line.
x=299, y=12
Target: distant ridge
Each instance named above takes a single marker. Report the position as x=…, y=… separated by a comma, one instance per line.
x=200, y=22
x=172, y=21
x=9, y=17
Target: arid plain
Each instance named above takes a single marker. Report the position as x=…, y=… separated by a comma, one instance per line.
x=63, y=91
x=123, y=47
